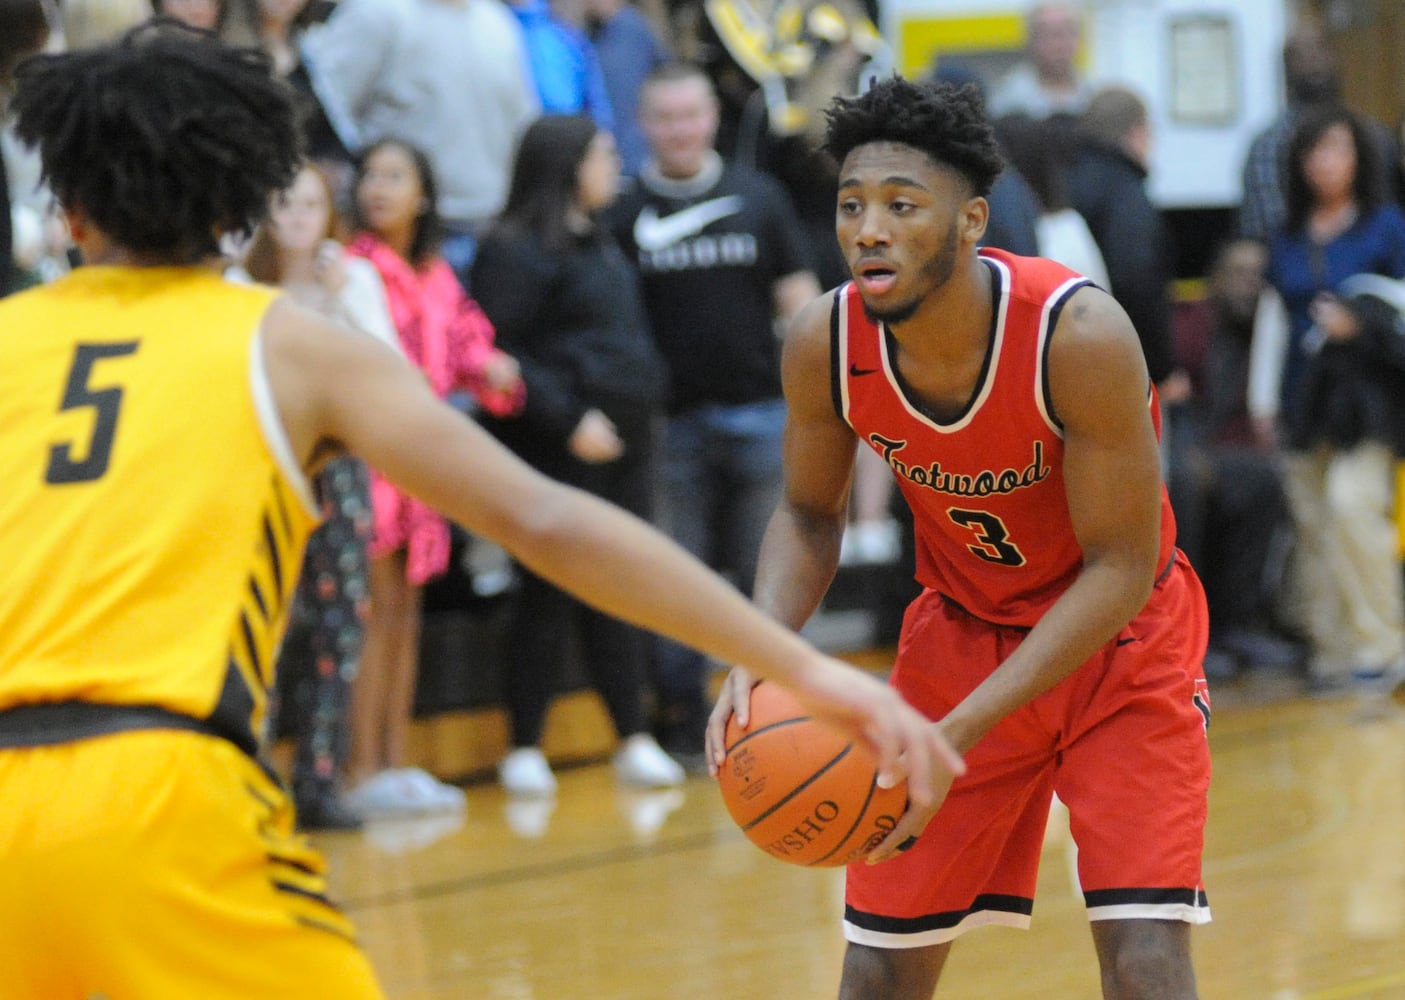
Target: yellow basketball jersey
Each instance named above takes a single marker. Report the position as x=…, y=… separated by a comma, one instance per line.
x=152, y=517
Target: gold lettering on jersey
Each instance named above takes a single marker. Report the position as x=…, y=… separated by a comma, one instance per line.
x=985, y=483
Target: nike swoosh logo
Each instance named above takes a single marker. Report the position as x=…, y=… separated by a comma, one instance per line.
x=856, y=371
x=653, y=233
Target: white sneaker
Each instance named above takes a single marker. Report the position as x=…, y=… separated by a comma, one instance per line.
x=406, y=791
x=442, y=797
x=525, y=772
x=646, y=811
x=641, y=761
x=404, y=834
x=529, y=818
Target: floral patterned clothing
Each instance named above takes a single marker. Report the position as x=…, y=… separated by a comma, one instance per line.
x=322, y=647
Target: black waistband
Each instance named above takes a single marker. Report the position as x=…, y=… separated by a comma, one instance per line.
x=67, y=721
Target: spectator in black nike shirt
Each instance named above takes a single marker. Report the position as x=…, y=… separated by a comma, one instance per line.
x=722, y=259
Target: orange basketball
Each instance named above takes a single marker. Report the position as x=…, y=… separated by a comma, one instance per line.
x=799, y=790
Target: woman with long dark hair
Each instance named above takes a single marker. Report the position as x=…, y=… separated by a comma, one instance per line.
x=1335, y=385
x=565, y=303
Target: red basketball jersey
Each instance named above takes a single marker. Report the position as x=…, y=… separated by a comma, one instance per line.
x=986, y=488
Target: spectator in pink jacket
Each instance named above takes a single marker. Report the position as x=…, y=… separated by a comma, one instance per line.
x=447, y=336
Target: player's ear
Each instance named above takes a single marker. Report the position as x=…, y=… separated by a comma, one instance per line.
x=975, y=214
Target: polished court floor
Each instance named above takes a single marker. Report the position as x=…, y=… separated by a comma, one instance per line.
x=632, y=895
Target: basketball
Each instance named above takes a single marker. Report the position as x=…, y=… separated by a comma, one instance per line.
x=799, y=790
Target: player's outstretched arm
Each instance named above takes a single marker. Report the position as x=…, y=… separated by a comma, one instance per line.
x=337, y=390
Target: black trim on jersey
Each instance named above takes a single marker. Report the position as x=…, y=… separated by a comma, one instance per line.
x=259, y=797
x=250, y=645
x=301, y=866
x=257, y=593
x=297, y=890
x=1054, y=313
x=284, y=521
x=1021, y=905
x=274, y=560
x=836, y=370
x=1146, y=897
x=234, y=712
x=322, y=925
x=890, y=346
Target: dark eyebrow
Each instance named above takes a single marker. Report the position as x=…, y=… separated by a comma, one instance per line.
x=897, y=180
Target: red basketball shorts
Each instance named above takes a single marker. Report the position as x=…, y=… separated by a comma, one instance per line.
x=1123, y=743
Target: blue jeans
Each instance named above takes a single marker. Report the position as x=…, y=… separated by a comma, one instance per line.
x=722, y=480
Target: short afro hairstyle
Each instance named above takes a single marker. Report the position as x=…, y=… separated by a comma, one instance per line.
x=946, y=122
x=166, y=140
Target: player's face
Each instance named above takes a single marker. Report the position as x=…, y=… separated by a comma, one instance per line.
x=390, y=193
x=301, y=216
x=598, y=177
x=901, y=223
x=679, y=118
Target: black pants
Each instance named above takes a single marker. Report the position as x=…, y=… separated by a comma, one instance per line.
x=1231, y=518
x=549, y=623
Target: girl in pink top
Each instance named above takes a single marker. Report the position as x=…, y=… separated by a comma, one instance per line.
x=447, y=336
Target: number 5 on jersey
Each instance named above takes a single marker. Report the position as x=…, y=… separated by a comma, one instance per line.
x=106, y=403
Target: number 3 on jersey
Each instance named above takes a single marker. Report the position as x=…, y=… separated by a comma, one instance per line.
x=992, y=540
x=106, y=402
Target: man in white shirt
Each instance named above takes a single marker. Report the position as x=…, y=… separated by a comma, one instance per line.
x=448, y=76
x=1047, y=81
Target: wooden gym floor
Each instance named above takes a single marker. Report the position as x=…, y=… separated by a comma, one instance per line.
x=628, y=895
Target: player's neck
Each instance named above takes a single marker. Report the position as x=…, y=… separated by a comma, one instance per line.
x=953, y=318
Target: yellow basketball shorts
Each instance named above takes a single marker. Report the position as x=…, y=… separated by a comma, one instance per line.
x=162, y=865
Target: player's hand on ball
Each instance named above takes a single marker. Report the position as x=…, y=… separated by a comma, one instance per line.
x=907, y=744
x=733, y=699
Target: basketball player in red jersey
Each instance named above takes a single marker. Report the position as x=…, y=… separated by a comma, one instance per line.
x=1059, y=637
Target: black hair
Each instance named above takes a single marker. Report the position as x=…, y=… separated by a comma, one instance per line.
x=1368, y=185
x=947, y=123
x=166, y=139
x=545, y=177
x=429, y=227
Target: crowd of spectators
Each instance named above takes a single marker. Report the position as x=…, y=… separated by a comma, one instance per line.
x=592, y=248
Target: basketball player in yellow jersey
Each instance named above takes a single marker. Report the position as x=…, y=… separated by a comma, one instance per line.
x=157, y=428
